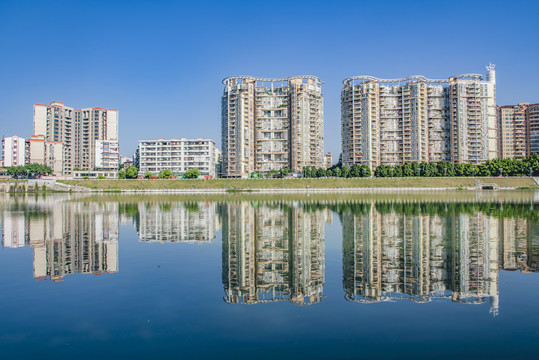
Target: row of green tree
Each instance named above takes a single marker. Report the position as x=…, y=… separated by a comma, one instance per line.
x=29, y=170
x=506, y=167
x=167, y=174
x=337, y=171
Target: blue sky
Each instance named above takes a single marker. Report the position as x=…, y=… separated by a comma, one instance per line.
x=160, y=63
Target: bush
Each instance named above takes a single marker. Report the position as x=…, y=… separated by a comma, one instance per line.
x=192, y=174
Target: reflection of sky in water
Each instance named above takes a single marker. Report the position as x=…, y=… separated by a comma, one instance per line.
x=430, y=276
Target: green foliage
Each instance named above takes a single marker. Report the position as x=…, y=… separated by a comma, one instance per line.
x=121, y=174
x=131, y=172
x=506, y=167
x=101, y=177
x=192, y=174
x=148, y=174
x=31, y=170
x=166, y=174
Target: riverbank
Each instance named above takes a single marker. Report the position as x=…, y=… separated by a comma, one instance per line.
x=302, y=185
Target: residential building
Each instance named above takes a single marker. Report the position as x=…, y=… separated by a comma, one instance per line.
x=533, y=129
x=519, y=130
x=42, y=151
x=328, y=161
x=415, y=119
x=13, y=151
x=107, y=154
x=512, y=124
x=178, y=156
x=270, y=124
x=78, y=131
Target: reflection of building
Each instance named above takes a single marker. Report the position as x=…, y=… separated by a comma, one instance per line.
x=389, y=255
x=13, y=230
x=272, y=253
x=519, y=245
x=75, y=238
x=177, y=222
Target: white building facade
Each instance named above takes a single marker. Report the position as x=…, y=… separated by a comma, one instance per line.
x=13, y=150
x=107, y=154
x=178, y=156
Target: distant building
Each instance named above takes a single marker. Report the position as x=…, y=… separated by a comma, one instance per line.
x=519, y=130
x=270, y=124
x=416, y=119
x=533, y=129
x=107, y=155
x=328, y=161
x=42, y=151
x=178, y=156
x=126, y=161
x=13, y=151
x=78, y=131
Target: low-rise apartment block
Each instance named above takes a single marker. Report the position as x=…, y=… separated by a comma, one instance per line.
x=178, y=156
x=415, y=119
x=42, y=151
x=107, y=154
x=13, y=151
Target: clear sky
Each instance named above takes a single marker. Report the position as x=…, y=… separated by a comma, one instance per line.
x=160, y=63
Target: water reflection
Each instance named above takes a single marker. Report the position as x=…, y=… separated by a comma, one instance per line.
x=66, y=238
x=273, y=252
x=165, y=222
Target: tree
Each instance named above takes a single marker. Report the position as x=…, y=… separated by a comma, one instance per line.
x=365, y=171
x=148, y=174
x=344, y=172
x=355, y=170
x=131, y=172
x=121, y=174
x=192, y=173
x=165, y=174
x=284, y=171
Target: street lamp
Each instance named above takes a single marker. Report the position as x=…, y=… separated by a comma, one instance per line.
x=530, y=171
x=445, y=172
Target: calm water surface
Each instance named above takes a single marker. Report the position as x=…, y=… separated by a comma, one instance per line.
x=416, y=275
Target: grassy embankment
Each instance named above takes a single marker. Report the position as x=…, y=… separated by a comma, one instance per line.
x=246, y=184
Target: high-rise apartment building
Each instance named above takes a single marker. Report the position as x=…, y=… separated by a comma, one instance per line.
x=533, y=129
x=270, y=124
x=78, y=131
x=13, y=151
x=415, y=119
x=519, y=130
x=178, y=156
x=512, y=123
